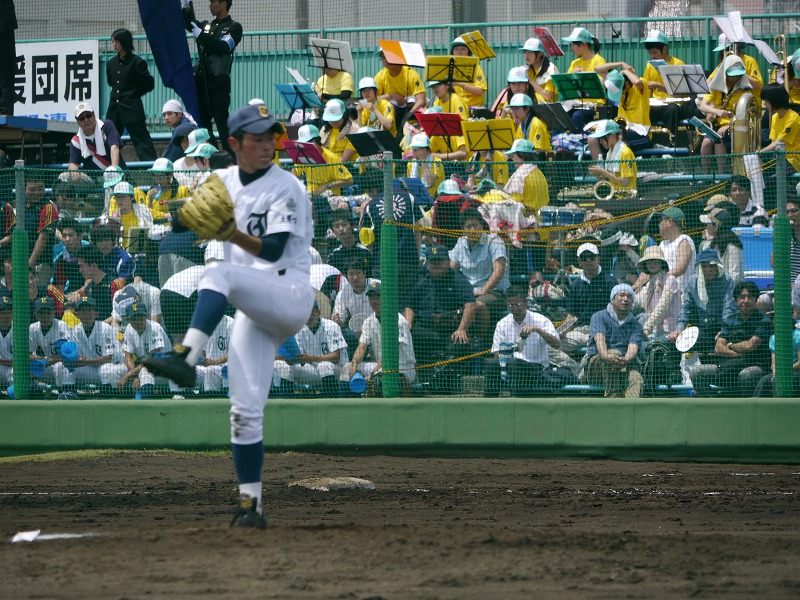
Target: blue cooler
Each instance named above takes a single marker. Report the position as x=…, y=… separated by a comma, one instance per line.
x=757, y=248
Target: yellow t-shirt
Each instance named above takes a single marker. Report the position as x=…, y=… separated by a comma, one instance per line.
x=716, y=98
x=333, y=86
x=635, y=104
x=652, y=74
x=319, y=175
x=406, y=83
x=753, y=72
x=587, y=66
x=442, y=144
x=384, y=107
x=626, y=167
x=338, y=143
x=160, y=211
x=787, y=129
x=478, y=81
x=538, y=135
x=535, y=193
x=499, y=168
x=549, y=85
x=129, y=221
x=454, y=104
x=138, y=196
x=434, y=168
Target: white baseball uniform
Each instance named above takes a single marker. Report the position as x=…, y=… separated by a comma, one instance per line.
x=6, y=341
x=273, y=299
x=326, y=339
x=39, y=340
x=371, y=336
x=100, y=342
x=349, y=302
x=153, y=338
x=217, y=347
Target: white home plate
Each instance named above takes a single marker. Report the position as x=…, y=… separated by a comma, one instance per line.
x=327, y=484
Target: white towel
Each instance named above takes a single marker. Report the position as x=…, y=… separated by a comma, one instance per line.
x=99, y=145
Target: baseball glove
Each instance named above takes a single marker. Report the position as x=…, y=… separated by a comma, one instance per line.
x=209, y=212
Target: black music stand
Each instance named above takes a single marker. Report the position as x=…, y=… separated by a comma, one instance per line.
x=298, y=96
x=330, y=54
x=373, y=143
x=554, y=116
x=579, y=86
x=684, y=80
x=450, y=68
x=495, y=134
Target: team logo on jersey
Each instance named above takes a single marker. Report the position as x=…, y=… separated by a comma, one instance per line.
x=257, y=224
x=292, y=205
x=222, y=343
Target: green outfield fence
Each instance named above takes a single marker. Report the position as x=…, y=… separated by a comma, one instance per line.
x=531, y=226
x=261, y=57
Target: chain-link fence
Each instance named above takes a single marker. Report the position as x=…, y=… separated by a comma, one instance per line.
x=656, y=276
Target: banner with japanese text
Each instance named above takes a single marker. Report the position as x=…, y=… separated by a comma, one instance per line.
x=52, y=77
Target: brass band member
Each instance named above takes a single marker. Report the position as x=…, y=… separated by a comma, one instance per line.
x=540, y=70
x=619, y=168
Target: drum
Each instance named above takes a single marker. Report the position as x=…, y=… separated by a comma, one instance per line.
x=570, y=216
x=548, y=216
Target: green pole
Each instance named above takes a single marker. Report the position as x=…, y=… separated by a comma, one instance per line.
x=783, y=287
x=19, y=289
x=389, y=302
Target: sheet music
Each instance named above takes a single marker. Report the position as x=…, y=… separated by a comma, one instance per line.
x=334, y=54
x=684, y=80
x=415, y=55
x=296, y=75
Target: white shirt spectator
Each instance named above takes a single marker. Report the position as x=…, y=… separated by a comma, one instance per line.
x=533, y=349
x=349, y=303
x=37, y=340
x=371, y=336
x=152, y=338
x=670, y=250
x=477, y=263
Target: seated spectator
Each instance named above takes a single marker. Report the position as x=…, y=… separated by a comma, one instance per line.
x=750, y=213
x=352, y=300
x=43, y=333
x=341, y=223
x=375, y=113
x=659, y=298
x=165, y=188
x=323, y=355
x=99, y=355
x=319, y=179
x=623, y=263
x=371, y=340
x=116, y=262
x=678, y=248
x=202, y=161
x=440, y=312
x=727, y=244
x=619, y=168
x=425, y=166
x=97, y=144
x=66, y=272
x=527, y=184
x=334, y=83
x=181, y=124
x=518, y=83
x=490, y=166
x=215, y=357
x=336, y=126
x=784, y=123
x=587, y=295
x=615, y=340
x=742, y=348
x=707, y=301
x=138, y=291
x=481, y=257
x=131, y=214
x=532, y=335
x=527, y=125
x=186, y=164
x=473, y=92
x=100, y=285
x=142, y=336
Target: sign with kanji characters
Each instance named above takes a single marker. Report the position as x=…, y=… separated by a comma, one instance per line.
x=52, y=77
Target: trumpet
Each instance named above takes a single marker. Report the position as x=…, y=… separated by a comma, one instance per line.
x=780, y=73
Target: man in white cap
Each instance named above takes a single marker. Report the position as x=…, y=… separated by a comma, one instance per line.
x=97, y=144
x=615, y=339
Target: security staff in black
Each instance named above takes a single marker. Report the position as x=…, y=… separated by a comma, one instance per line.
x=129, y=79
x=8, y=56
x=216, y=42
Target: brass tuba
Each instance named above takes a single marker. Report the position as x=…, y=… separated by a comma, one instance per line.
x=745, y=128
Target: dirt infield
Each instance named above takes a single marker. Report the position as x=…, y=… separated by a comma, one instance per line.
x=433, y=528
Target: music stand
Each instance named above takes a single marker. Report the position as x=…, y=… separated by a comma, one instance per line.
x=451, y=68
x=298, y=96
x=478, y=45
x=402, y=53
x=495, y=134
x=548, y=41
x=579, y=86
x=733, y=28
x=684, y=80
x=372, y=143
x=296, y=75
x=709, y=133
x=554, y=116
x=303, y=153
x=330, y=54
x=446, y=124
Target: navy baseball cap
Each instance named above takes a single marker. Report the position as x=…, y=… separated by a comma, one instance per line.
x=44, y=303
x=374, y=289
x=137, y=308
x=255, y=119
x=5, y=302
x=86, y=302
x=439, y=252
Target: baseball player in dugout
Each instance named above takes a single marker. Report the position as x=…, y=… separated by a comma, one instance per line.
x=263, y=216
x=216, y=41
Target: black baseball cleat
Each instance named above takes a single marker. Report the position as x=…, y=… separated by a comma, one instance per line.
x=247, y=515
x=172, y=365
